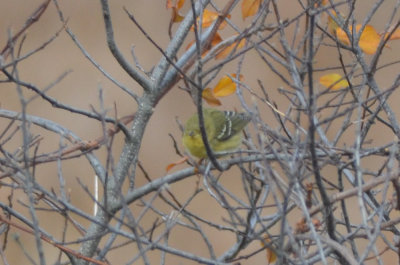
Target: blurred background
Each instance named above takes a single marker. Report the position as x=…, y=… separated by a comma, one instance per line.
x=80, y=88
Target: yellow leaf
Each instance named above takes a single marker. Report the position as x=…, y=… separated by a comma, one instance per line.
x=271, y=255
x=226, y=86
x=369, y=39
x=333, y=81
x=226, y=51
x=210, y=98
x=342, y=36
x=332, y=25
x=250, y=7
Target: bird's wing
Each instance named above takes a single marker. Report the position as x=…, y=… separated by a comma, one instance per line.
x=233, y=123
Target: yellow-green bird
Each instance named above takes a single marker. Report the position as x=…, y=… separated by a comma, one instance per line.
x=223, y=128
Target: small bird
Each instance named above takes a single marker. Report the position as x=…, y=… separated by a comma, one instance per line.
x=223, y=130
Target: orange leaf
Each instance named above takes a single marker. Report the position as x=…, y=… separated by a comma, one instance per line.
x=180, y=4
x=217, y=39
x=226, y=51
x=250, y=7
x=369, y=39
x=322, y=3
x=176, y=17
x=317, y=223
x=333, y=81
x=179, y=162
x=208, y=19
x=175, y=3
x=394, y=36
x=226, y=86
x=210, y=98
x=271, y=255
x=301, y=226
x=190, y=44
